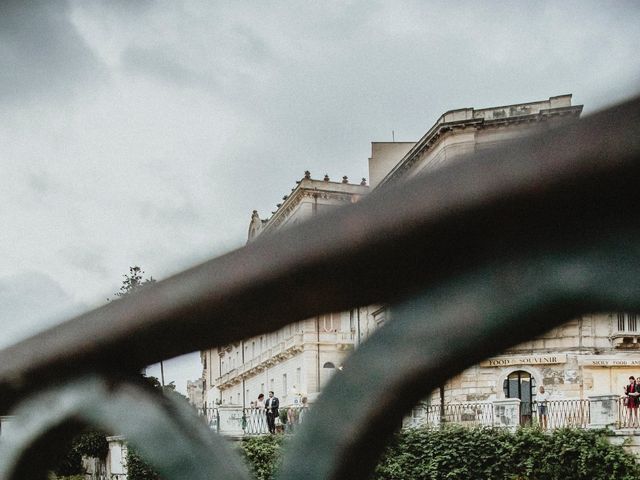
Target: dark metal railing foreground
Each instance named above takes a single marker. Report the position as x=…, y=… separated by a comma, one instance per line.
x=474, y=258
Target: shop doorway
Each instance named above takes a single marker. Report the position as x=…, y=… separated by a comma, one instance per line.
x=522, y=385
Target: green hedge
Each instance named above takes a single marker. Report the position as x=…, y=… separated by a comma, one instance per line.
x=263, y=454
x=137, y=468
x=462, y=453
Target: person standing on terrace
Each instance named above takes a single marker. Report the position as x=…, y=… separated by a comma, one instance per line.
x=272, y=404
x=631, y=392
x=542, y=400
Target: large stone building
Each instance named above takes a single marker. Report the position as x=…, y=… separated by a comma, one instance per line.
x=195, y=392
x=588, y=355
x=298, y=359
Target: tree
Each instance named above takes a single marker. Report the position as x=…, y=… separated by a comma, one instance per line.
x=133, y=282
x=92, y=442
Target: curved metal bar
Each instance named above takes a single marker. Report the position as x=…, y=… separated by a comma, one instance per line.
x=445, y=330
x=581, y=177
x=166, y=432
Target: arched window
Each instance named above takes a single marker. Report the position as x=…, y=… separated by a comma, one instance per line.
x=328, y=365
x=522, y=385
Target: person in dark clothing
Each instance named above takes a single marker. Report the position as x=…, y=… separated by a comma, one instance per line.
x=631, y=392
x=272, y=404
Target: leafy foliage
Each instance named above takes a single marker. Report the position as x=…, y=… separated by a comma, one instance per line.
x=529, y=454
x=69, y=464
x=263, y=454
x=457, y=453
x=137, y=468
x=92, y=443
x=133, y=281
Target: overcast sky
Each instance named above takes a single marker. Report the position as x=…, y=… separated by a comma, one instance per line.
x=146, y=132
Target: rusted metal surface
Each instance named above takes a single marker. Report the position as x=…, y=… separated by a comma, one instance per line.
x=476, y=257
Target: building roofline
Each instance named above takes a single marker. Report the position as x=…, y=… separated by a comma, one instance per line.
x=306, y=183
x=441, y=126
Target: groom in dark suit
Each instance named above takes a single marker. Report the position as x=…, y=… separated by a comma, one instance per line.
x=272, y=405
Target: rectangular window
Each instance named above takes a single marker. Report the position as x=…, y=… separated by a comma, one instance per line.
x=284, y=384
x=298, y=377
x=621, y=322
x=262, y=388
x=247, y=395
x=271, y=385
x=238, y=399
x=253, y=349
x=633, y=322
x=379, y=317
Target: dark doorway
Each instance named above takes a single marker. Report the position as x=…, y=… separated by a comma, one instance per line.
x=522, y=385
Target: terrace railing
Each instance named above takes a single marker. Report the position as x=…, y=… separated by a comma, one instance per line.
x=472, y=259
x=469, y=414
x=628, y=417
x=253, y=421
x=560, y=414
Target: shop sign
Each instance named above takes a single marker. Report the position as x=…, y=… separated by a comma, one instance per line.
x=597, y=361
x=524, y=360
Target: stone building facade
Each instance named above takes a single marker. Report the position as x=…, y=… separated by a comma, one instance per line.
x=590, y=355
x=195, y=392
x=297, y=360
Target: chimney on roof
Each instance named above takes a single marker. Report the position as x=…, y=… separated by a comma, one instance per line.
x=345, y=179
x=326, y=177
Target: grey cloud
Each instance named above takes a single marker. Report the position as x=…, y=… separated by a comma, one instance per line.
x=39, y=183
x=41, y=54
x=183, y=212
x=32, y=301
x=85, y=258
x=226, y=57
x=162, y=64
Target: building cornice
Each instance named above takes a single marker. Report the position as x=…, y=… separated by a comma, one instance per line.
x=478, y=121
x=310, y=188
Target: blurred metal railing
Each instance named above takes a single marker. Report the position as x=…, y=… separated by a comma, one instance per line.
x=473, y=258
